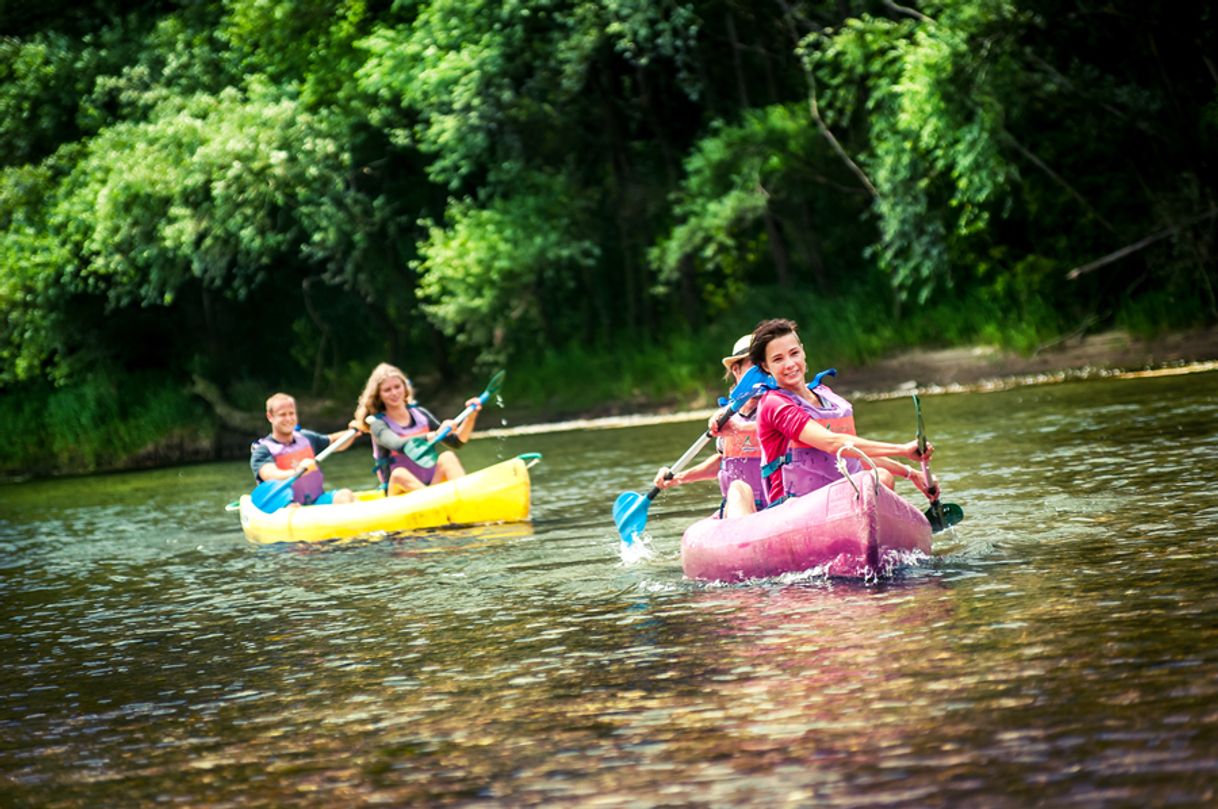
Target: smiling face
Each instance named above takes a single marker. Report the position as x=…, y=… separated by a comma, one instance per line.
x=392, y=392
x=785, y=361
x=281, y=413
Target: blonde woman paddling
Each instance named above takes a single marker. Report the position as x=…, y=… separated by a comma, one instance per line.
x=387, y=409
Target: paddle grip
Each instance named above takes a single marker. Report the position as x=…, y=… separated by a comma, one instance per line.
x=926, y=472
x=328, y=451
x=935, y=505
x=276, y=488
x=697, y=446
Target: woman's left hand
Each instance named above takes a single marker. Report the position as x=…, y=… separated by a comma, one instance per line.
x=475, y=403
x=911, y=451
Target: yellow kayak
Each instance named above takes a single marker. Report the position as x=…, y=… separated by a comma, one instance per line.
x=499, y=493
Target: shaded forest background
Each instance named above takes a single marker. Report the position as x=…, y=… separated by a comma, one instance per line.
x=204, y=201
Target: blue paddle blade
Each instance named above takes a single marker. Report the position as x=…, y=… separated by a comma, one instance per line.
x=630, y=514
x=752, y=378
x=272, y=495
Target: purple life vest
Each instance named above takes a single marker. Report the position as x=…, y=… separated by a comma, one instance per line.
x=389, y=459
x=806, y=469
x=741, y=460
x=309, y=486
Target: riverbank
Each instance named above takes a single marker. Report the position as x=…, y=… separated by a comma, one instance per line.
x=931, y=371
x=985, y=367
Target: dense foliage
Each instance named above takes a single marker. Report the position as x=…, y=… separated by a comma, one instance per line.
x=278, y=193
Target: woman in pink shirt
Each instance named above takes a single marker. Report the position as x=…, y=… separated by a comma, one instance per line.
x=801, y=427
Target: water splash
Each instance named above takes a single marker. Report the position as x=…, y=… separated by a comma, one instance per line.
x=639, y=550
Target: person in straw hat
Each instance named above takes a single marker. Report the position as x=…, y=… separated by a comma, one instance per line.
x=738, y=454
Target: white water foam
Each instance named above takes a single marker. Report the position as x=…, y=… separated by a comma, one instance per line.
x=640, y=550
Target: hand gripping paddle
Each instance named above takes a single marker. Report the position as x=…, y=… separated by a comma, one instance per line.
x=630, y=508
x=423, y=452
x=941, y=515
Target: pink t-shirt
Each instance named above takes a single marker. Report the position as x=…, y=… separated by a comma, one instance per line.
x=779, y=423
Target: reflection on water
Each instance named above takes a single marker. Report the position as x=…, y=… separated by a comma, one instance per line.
x=1059, y=649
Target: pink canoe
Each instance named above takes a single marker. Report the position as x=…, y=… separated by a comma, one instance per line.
x=852, y=527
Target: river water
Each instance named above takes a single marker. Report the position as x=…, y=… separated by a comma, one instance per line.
x=1059, y=649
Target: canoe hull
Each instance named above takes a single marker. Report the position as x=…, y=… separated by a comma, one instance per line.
x=499, y=493
x=850, y=528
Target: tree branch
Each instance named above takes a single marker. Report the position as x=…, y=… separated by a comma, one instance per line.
x=1057, y=178
x=1138, y=245
x=814, y=108
x=910, y=12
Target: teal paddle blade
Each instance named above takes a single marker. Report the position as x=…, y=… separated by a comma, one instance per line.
x=943, y=517
x=630, y=514
x=421, y=452
x=754, y=382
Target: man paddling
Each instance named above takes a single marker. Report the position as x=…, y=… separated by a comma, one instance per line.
x=289, y=451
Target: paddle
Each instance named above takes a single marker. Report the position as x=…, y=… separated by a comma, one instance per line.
x=423, y=452
x=272, y=495
x=630, y=508
x=940, y=515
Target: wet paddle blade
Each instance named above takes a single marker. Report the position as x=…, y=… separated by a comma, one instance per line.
x=272, y=495
x=630, y=514
x=944, y=517
x=493, y=386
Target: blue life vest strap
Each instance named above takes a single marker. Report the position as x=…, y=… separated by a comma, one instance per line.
x=773, y=466
x=816, y=380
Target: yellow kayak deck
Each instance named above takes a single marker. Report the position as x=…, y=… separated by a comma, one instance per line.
x=498, y=493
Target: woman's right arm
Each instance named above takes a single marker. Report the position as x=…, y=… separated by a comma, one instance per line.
x=824, y=439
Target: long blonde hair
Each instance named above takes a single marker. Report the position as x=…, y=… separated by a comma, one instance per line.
x=370, y=402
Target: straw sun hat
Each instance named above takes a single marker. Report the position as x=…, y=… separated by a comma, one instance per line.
x=739, y=351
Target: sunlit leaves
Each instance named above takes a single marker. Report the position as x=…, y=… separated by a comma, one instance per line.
x=482, y=274
x=452, y=68
x=211, y=187
x=476, y=83
x=306, y=44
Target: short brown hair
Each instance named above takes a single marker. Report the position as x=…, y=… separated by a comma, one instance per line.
x=276, y=399
x=767, y=331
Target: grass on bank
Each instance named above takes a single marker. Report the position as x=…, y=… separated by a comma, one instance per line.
x=110, y=422
x=685, y=369
x=100, y=422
